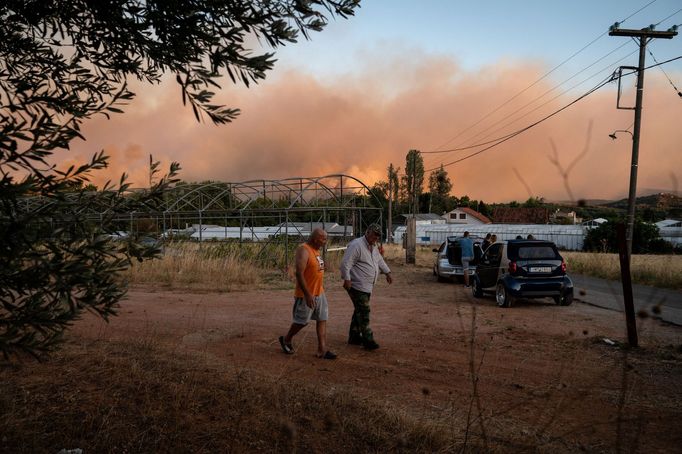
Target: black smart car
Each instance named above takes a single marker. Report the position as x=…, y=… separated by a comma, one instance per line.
x=523, y=269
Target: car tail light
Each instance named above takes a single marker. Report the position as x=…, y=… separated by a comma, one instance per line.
x=512, y=267
x=563, y=266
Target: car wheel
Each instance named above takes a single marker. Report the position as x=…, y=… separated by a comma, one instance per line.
x=565, y=299
x=502, y=296
x=476, y=288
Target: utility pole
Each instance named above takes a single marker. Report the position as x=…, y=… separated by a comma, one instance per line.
x=415, y=209
x=411, y=230
x=389, y=234
x=644, y=36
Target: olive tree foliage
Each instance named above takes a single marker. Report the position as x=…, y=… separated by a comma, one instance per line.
x=65, y=61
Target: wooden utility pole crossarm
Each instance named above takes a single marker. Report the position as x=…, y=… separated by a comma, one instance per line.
x=644, y=33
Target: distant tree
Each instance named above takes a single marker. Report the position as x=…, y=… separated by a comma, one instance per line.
x=413, y=180
x=645, y=238
x=534, y=202
x=394, y=181
x=484, y=209
x=380, y=190
x=63, y=62
x=439, y=182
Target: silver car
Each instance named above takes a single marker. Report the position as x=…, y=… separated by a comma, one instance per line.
x=448, y=262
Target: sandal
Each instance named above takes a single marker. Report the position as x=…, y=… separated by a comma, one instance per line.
x=286, y=348
x=328, y=355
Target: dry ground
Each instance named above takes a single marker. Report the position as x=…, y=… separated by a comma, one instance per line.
x=469, y=375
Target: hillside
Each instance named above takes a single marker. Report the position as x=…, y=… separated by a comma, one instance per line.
x=670, y=205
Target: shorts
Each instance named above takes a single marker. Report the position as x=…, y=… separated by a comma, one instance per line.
x=465, y=262
x=302, y=314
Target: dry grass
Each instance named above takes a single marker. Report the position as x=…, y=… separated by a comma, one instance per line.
x=222, y=267
x=425, y=255
x=656, y=270
x=210, y=266
x=135, y=397
x=229, y=266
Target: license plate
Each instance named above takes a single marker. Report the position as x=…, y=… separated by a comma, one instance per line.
x=540, y=269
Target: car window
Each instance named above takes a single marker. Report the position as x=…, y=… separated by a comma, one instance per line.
x=442, y=246
x=494, y=252
x=537, y=252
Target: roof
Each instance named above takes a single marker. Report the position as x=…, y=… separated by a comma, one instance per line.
x=476, y=214
x=669, y=223
x=520, y=215
x=595, y=220
x=424, y=217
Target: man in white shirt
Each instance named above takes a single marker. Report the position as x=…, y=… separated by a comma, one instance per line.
x=362, y=262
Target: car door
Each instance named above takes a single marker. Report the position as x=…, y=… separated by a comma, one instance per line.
x=440, y=254
x=489, y=265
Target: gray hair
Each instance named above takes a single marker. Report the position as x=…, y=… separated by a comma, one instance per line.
x=374, y=228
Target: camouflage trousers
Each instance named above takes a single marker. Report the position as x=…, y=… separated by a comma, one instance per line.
x=360, y=332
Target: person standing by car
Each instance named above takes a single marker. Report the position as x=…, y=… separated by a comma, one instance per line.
x=362, y=262
x=486, y=242
x=467, y=255
x=310, y=302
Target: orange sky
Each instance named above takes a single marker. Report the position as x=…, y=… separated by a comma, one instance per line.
x=295, y=125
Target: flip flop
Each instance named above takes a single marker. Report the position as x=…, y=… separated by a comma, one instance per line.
x=286, y=348
x=328, y=355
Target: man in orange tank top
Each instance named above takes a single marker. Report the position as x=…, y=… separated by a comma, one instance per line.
x=310, y=302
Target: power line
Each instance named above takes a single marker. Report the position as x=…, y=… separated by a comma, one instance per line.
x=663, y=20
x=555, y=97
x=666, y=74
x=534, y=100
x=516, y=133
x=541, y=78
x=462, y=148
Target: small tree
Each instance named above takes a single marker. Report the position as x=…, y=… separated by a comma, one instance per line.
x=413, y=180
x=645, y=238
x=394, y=182
x=63, y=62
x=439, y=182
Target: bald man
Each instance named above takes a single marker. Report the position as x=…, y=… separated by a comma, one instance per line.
x=310, y=303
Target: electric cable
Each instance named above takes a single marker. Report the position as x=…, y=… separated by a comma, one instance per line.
x=611, y=78
x=516, y=133
x=557, y=96
x=679, y=93
x=542, y=77
x=663, y=20
x=535, y=100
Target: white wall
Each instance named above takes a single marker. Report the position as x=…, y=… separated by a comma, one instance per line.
x=565, y=236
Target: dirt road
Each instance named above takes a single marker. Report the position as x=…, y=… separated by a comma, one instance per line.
x=537, y=372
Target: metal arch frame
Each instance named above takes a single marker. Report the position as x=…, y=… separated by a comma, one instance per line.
x=252, y=190
x=243, y=193
x=331, y=198
x=314, y=181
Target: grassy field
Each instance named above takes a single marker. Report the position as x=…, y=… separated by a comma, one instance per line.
x=137, y=397
x=663, y=271
x=229, y=266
